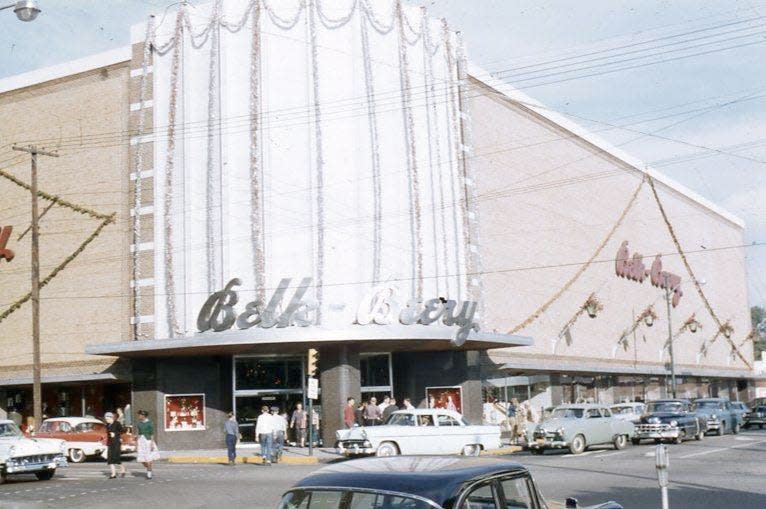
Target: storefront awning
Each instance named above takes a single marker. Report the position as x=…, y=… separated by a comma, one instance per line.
x=530, y=366
x=62, y=379
x=369, y=338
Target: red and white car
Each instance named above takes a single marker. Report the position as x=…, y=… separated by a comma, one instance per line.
x=84, y=436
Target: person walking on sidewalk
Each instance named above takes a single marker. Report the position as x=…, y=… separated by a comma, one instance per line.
x=114, y=431
x=391, y=408
x=372, y=413
x=408, y=404
x=280, y=432
x=147, y=451
x=264, y=434
x=349, y=417
x=231, y=429
x=299, y=422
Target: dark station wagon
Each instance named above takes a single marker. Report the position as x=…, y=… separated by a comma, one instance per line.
x=420, y=482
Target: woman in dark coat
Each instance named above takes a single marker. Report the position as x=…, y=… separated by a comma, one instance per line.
x=114, y=432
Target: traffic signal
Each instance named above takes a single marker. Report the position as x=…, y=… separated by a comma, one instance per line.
x=312, y=362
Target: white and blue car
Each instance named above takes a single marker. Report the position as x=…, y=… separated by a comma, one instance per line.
x=21, y=455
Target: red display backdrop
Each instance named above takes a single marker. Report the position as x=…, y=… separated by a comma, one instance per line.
x=448, y=398
x=184, y=412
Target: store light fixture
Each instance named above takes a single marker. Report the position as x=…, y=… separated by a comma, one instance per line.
x=649, y=320
x=25, y=10
x=693, y=326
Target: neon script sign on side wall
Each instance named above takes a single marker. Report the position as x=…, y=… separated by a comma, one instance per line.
x=633, y=268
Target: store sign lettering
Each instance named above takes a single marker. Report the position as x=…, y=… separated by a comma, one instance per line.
x=5, y=234
x=218, y=314
x=633, y=268
x=381, y=306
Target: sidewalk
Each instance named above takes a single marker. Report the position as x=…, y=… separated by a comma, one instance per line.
x=251, y=454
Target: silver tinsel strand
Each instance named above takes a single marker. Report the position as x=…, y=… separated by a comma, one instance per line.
x=332, y=24
x=213, y=168
x=139, y=168
x=412, y=164
x=256, y=203
x=170, y=287
x=375, y=151
x=375, y=22
x=319, y=160
x=284, y=23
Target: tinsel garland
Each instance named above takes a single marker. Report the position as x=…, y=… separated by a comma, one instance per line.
x=375, y=22
x=55, y=272
x=317, y=121
x=170, y=287
x=454, y=145
x=416, y=223
x=213, y=166
x=283, y=23
x=433, y=139
x=623, y=341
x=375, y=152
x=256, y=204
x=332, y=24
x=578, y=314
x=536, y=314
x=689, y=270
x=139, y=169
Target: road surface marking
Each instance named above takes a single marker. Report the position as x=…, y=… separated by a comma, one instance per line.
x=615, y=453
x=720, y=449
x=587, y=453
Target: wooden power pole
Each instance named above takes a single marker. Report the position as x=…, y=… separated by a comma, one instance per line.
x=37, y=396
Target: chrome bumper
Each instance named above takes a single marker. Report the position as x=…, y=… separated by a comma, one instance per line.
x=354, y=448
x=711, y=424
x=656, y=431
x=36, y=466
x=548, y=443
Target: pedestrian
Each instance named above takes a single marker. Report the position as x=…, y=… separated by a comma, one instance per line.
x=231, y=429
x=384, y=404
x=372, y=413
x=280, y=432
x=359, y=413
x=391, y=408
x=408, y=404
x=349, y=418
x=114, y=431
x=299, y=422
x=120, y=417
x=146, y=448
x=314, y=431
x=264, y=434
x=513, y=423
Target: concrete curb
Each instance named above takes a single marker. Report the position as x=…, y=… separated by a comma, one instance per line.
x=252, y=460
x=511, y=449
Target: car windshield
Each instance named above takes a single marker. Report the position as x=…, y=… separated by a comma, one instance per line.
x=623, y=410
x=331, y=499
x=666, y=406
x=761, y=409
x=708, y=404
x=401, y=420
x=9, y=429
x=567, y=413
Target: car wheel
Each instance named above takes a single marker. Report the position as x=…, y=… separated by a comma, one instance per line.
x=387, y=449
x=620, y=441
x=760, y=426
x=578, y=445
x=537, y=452
x=635, y=441
x=722, y=429
x=76, y=455
x=472, y=450
x=681, y=436
x=700, y=435
x=736, y=429
x=2, y=476
x=45, y=475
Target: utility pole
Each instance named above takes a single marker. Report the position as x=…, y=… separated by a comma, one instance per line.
x=37, y=396
x=670, y=341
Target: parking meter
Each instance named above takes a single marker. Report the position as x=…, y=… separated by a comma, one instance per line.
x=662, y=463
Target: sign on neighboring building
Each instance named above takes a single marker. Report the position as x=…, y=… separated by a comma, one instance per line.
x=5, y=234
x=633, y=268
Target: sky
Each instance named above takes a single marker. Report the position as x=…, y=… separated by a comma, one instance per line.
x=684, y=79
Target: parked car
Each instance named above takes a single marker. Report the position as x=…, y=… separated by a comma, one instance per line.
x=419, y=431
x=719, y=417
x=669, y=419
x=577, y=427
x=628, y=411
x=21, y=455
x=757, y=417
x=742, y=411
x=420, y=483
x=85, y=436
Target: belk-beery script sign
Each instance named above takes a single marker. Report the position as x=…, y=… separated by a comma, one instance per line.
x=380, y=306
x=5, y=234
x=633, y=268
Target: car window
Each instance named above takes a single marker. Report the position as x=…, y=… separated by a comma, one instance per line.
x=48, y=427
x=319, y=499
x=480, y=498
x=401, y=420
x=516, y=493
x=593, y=413
x=606, y=412
x=295, y=500
x=446, y=420
x=425, y=420
x=567, y=413
x=361, y=500
x=86, y=427
x=65, y=427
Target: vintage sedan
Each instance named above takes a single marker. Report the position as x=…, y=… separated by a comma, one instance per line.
x=429, y=482
x=577, y=427
x=718, y=415
x=85, y=436
x=21, y=455
x=669, y=419
x=628, y=411
x=757, y=417
x=419, y=431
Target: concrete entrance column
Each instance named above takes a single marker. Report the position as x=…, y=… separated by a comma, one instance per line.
x=339, y=379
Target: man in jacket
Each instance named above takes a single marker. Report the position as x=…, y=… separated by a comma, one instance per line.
x=264, y=434
x=299, y=422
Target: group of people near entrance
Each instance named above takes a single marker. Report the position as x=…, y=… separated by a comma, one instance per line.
x=146, y=447
x=271, y=430
x=371, y=413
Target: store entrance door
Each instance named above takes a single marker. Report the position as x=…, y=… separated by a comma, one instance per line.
x=249, y=408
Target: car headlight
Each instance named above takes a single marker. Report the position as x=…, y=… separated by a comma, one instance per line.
x=560, y=431
x=673, y=424
x=11, y=450
x=714, y=417
x=364, y=433
x=653, y=420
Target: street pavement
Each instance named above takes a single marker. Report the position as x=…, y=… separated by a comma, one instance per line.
x=718, y=472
